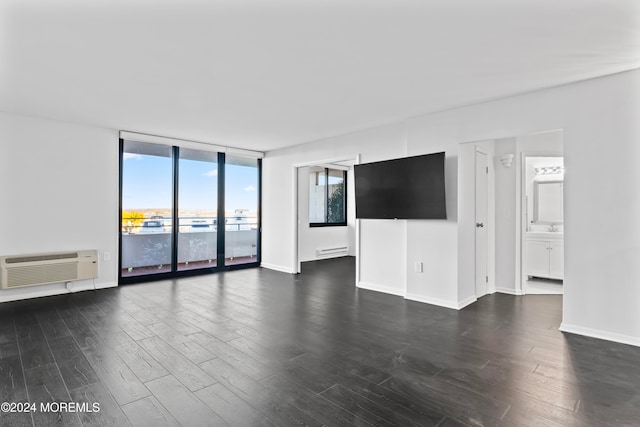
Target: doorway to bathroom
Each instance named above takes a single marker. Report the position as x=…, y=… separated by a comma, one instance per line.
x=543, y=223
x=516, y=232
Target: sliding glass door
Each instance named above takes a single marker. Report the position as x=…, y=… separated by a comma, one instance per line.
x=147, y=214
x=212, y=198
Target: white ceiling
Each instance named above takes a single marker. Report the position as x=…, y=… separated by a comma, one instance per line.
x=264, y=74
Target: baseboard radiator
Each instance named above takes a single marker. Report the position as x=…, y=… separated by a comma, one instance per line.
x=54, y=267
x=340, y=250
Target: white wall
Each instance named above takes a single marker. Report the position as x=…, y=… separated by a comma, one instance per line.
x=601, y=134
x=434, y=242
x=59, y=192
x=505, y=214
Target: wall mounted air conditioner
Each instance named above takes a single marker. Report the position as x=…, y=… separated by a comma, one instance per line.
x=54, y=267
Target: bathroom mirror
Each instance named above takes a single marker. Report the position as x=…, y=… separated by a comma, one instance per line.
x=547, y=202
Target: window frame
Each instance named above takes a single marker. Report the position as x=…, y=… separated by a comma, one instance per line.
x=326, y=222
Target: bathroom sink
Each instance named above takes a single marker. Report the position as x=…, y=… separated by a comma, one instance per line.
x=545, y=234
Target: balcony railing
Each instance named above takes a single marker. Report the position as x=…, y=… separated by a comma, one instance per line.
x=147, y=245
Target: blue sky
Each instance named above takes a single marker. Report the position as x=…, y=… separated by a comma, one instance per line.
x=147, y=183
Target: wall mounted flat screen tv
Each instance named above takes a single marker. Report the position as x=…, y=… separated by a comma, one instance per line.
x=407, y=188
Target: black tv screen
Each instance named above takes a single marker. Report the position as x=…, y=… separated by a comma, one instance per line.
x=407, y=188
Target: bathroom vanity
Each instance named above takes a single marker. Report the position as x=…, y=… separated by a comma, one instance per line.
x=545, y=254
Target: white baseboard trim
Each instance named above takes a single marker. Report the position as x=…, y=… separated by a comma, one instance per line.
x=597, y=333
x=277, y=267
x=88, y=286
x=441, y=302
x=381, y=288
x=509, y=291
x=329, y=256
x=7, y=295
x=465, y=302
x=106, y=285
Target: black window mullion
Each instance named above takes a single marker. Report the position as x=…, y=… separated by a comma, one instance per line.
x=259, y=226
x=344, y=195
x=221, y=227
x=326, y=195
x=120, y=219
x=174, y=213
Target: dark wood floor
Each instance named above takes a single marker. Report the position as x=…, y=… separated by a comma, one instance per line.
x=262, y=348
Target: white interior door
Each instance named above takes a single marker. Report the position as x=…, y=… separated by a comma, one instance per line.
x=481, y=224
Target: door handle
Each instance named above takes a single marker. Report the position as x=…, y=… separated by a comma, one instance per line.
x=479, y=225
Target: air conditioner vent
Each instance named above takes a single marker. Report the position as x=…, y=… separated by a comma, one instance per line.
x=42, y=257
x=40, y=269
x=52, y=273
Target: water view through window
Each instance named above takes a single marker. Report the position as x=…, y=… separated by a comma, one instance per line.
x=159, y=182
x=241, y=222
x=197, y=209
x=147, y=199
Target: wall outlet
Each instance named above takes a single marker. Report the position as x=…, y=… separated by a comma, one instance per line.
x=418, y=267
x=106, y=256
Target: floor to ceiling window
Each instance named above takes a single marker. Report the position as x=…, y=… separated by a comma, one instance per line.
x=241, y=209
x=213, y=198
x=147, y=213
x=197, y=209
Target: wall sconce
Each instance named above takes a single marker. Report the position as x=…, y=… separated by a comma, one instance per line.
x=507, y=159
